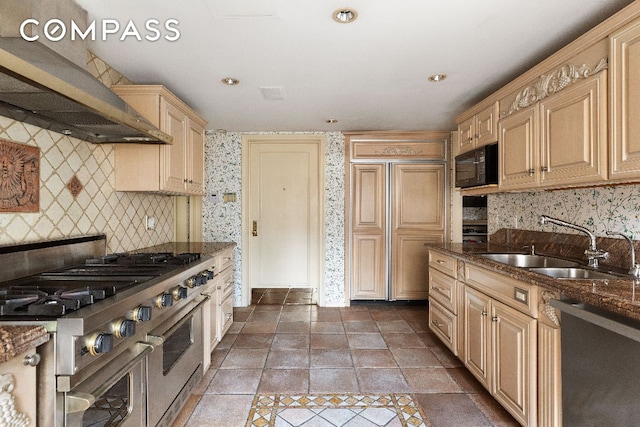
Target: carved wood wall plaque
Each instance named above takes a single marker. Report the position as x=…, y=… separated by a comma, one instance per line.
x=19, y=177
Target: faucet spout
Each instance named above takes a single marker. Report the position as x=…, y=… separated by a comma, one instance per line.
x=635, y=268
x=592, y=253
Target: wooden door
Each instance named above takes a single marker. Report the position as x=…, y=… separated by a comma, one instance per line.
x=173, y=157
x=476, y=333
x=283, y=220
x=369, y=240
x=518, y=149
x=487, y=125
x=417, y=217
x=625, y=109
x=466, y=135
x=574, y=133
x=514, y=365
x=195, y=158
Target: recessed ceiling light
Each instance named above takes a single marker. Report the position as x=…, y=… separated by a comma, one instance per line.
x=345, y=15
x=230, y=81
x=331, y=121
x=437, y=77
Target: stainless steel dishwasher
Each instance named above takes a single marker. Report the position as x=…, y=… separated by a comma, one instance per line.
x=600, y=367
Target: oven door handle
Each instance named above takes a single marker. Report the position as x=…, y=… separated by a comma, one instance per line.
x=78, y=402
x=157, y=340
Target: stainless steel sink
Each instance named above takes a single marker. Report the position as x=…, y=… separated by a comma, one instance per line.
x=529, y=261
x=574, y=273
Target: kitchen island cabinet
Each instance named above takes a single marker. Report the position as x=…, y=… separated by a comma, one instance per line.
x=176, y=168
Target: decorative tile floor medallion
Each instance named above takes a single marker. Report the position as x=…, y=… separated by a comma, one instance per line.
x=335, y=410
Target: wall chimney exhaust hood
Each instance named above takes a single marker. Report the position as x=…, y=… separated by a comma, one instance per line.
x=43, y=88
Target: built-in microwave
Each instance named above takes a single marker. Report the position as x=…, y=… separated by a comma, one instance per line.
x=477, y=167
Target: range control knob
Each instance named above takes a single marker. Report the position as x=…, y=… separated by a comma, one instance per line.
x=99, y=343
x=141, y=313
x=192, y=281
x=123, y=328
x=164, y=300
x=179, y=292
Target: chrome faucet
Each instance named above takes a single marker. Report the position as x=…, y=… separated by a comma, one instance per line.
x=593, y=254
x=635, y=268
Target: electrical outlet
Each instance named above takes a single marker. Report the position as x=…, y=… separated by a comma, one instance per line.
x=150, y=222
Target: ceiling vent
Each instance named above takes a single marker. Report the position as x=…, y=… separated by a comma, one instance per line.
x=272, y=93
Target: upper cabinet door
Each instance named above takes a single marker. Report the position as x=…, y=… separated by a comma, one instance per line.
x=173, y=157
x=574, y=134
x=518, y=149
x=487, y=125
x=466, y=132
x=418, y=197
x=195, y=152
x=625, y=109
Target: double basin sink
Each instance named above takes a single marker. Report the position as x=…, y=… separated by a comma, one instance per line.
x=549, y=266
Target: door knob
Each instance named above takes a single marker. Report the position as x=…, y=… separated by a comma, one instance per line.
x=255, y=228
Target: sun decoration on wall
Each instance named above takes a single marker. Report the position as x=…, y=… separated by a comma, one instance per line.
x=19, y=177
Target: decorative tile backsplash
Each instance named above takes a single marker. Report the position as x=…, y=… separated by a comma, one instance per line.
x=96, y=207
x=222, y=221
x=599, y=209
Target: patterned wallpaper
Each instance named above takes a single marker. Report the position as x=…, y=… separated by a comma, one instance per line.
x=98, y=208
x=222, y=221
x=599, y=209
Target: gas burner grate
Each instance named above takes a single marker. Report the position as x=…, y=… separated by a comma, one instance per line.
x=146, y=258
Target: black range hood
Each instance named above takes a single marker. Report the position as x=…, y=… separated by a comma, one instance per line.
x=41, y=87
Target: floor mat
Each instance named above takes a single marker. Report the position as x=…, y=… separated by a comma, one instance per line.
x=335, y=410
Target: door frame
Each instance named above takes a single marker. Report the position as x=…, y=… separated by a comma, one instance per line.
x=284, y=139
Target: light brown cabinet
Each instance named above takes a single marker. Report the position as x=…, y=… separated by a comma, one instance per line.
x=443, y=300
x=500, y=351
x=18, y=386
x=396, y=188
x=558, y=141
x=172, y=169
x=478, y=130
x=415, y=193
x=625, y=108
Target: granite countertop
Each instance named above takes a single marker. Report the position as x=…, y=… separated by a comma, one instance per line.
x=205, y=248
x=615, y=295
x=15, y=340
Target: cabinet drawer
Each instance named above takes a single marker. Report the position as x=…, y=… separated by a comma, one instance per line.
x=444, y=324
x=446, y=264
x=225, y=260
x=514, y=293
x=225, y=284
x=226, y=316
x=443, y=288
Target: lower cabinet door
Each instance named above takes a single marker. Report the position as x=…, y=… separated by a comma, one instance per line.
x=476, y=332
x=514, y=362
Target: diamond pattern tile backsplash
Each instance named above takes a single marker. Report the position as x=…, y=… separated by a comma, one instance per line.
x=96, y=207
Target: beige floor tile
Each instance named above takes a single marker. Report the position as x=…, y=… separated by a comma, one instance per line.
x=290, y=341
x=382, y=380
x=373, y=359
x=284, y=381
x=397, y=326
x=360, y=326
x=328, y=341
x=395, y=340
x=333, y=380
x=259, y=328
x=245, y=358
x=221, y=411
x=288, y=359
x=330, y=358
x=366, y=341
x=327, y=327
x=431, y=380
x=235, y=381
x=253, y=341
x=415, y=357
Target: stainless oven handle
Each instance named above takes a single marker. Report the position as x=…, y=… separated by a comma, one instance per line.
x=80, y=402
x=158, y=340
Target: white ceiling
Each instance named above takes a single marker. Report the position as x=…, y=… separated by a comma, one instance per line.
x=369, y=75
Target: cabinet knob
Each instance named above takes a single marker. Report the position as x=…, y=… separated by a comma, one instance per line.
x=544, y=169
x=483, y=313
x=531, y=171
x=494, y=319
x=31, y=360
x=436, y=323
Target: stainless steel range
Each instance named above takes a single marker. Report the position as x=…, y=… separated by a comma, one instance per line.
x=126, y=329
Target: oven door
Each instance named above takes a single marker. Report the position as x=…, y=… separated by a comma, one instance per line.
x=175, y=366
x=113, y=396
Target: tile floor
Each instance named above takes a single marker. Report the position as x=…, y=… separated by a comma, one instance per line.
x=299, y=349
